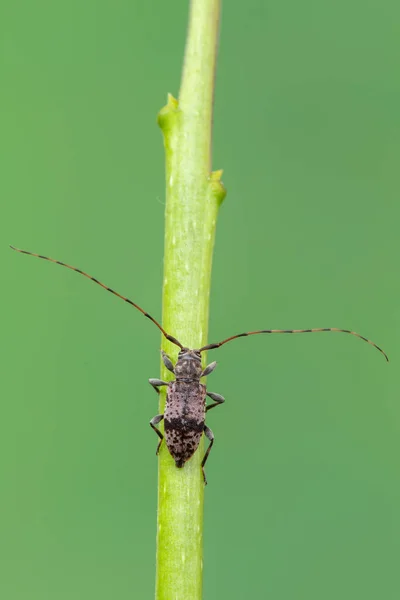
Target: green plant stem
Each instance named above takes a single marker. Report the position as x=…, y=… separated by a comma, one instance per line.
x=193, y=197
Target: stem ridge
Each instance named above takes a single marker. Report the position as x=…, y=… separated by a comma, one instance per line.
x=193, y=197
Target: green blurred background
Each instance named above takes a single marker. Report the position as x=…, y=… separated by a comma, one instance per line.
x=304, y=486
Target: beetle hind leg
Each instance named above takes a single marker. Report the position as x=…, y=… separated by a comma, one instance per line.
x=210, y=436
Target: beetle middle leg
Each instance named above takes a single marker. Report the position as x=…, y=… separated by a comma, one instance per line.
x=210, y=436
x=154, y=421
x=218, y=399
x=156, y=383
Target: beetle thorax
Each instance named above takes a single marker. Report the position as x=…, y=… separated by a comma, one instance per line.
x=188, y=366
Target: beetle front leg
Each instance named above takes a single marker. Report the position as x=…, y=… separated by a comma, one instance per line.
x=209, y=369
x=167, y=362
x=210, y=436
x=156, y=383
x=154, y=421
x=218, y=399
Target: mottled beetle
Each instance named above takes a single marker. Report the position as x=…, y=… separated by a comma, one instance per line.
x=185, y=409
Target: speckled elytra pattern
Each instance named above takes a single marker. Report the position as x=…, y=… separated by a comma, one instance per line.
x=184, y=418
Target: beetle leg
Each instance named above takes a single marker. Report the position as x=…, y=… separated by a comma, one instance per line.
x=154, y=421
x=210, y=436
x=218, y=399
x=167, y=362
x=209, y=369
x=156, y=383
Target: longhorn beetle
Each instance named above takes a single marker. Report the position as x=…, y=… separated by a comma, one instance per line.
x=185, y=409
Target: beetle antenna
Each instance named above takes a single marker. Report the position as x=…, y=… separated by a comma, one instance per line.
x=233, y=337
x=57, y=262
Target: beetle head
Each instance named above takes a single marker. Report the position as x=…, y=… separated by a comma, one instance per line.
x=188, y=365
